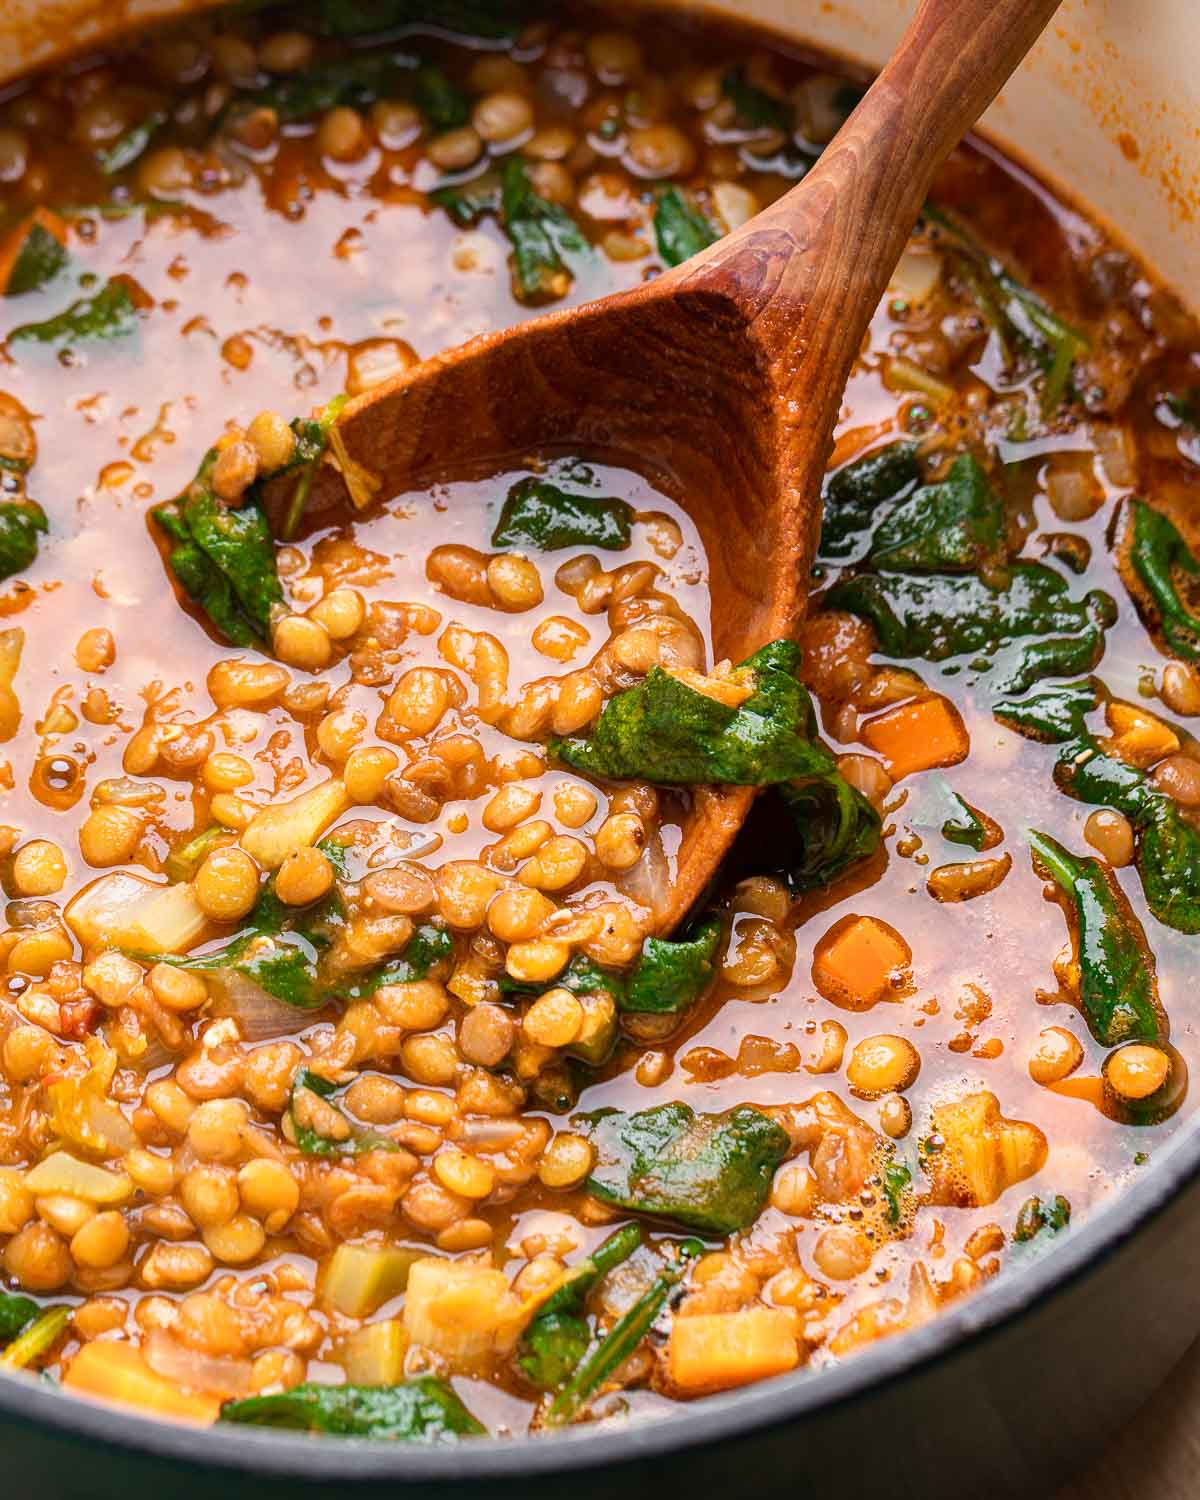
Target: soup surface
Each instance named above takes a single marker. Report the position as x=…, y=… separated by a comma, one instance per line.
x=344, y=1081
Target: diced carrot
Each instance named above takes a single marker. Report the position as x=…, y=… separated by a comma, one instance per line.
x=712, y=1351
x=118, y=1373
x=859, y=961
x=918, y=736
x=14, y=242
x=855, y=442
x=1139, y=738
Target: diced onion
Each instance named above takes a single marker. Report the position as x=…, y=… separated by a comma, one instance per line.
x=735, y=203
x=260, y=1016
x=195, y=1371
x=648, y=881
x=916, y=275
x=63, y=1173
x=279, y=830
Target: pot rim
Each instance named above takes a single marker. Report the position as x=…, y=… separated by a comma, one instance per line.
x=737, y=1413
x=967, y=1324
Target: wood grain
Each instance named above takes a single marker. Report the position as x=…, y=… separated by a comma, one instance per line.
x=1158, y=1453
x=721, y=380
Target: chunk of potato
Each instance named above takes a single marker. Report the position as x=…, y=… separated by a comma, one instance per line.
x=981, y=1153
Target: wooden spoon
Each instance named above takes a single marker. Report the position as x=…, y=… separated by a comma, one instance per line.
x=724, y=377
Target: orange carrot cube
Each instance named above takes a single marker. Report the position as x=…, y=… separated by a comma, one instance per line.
x=713, y=1351
x=859, y=961
x=918, y=736
x=117, y=1372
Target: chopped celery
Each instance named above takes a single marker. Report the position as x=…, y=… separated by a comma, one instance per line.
x=361, y=1278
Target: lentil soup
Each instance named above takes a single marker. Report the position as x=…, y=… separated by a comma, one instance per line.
x=345, y=1081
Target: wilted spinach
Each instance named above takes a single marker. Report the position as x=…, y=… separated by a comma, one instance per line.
x=1156, y=564
x=681, y=227
x=548, y=247
x=947, y=615
x=40, y=257
x=1168, y=847
x=710, y=1172
x=21, y=523
x=1118, y=987
x=833, y=827
x=858, y=493
x=345, y=1139
x=102, y=317
x=538, y=513
x=1021, y=321
x=956, y=526
x=668, y=733
x=610, y=1352
x=424, y=1410
x=223, y=558
x=558, y=1336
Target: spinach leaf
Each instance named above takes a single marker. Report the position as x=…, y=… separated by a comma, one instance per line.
x=1184, y=406
x=1020, y=319
x=1168, y=862
x=710, y=1172
x=312, y=439
x=429, y=946
x=895, y=1179
x=492, y=20
x=1118, y=988
x=834, y=828
x=131, y=145
x=755, y=108
x=669, y=977
x=943, y=615
x=953, y=527
x=1033, y=1217
x=1154, y=558
x=558, y=1336
x=668, y=733
x=106, y=315
x=16, y=1313
x=547, y=243
x=621, y=1340
x=424, y=1410
x=540, y=514
x=357, y=81
x=343, y=1139
x=441, y=101
x=282, y=963
x=943, y=811
x=281, y=947
x=224, y=558
x=20, y=523
x=1168, y=847
x=468, y=202
x=40, y=257
x=681, y=227
x=548, y=246
x=856, y=492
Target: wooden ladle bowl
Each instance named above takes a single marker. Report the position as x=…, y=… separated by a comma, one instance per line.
x=722, y=379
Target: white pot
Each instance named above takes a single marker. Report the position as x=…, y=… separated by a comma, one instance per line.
x=1105, y=107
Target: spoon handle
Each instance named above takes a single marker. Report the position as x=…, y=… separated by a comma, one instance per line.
x=808, y=272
